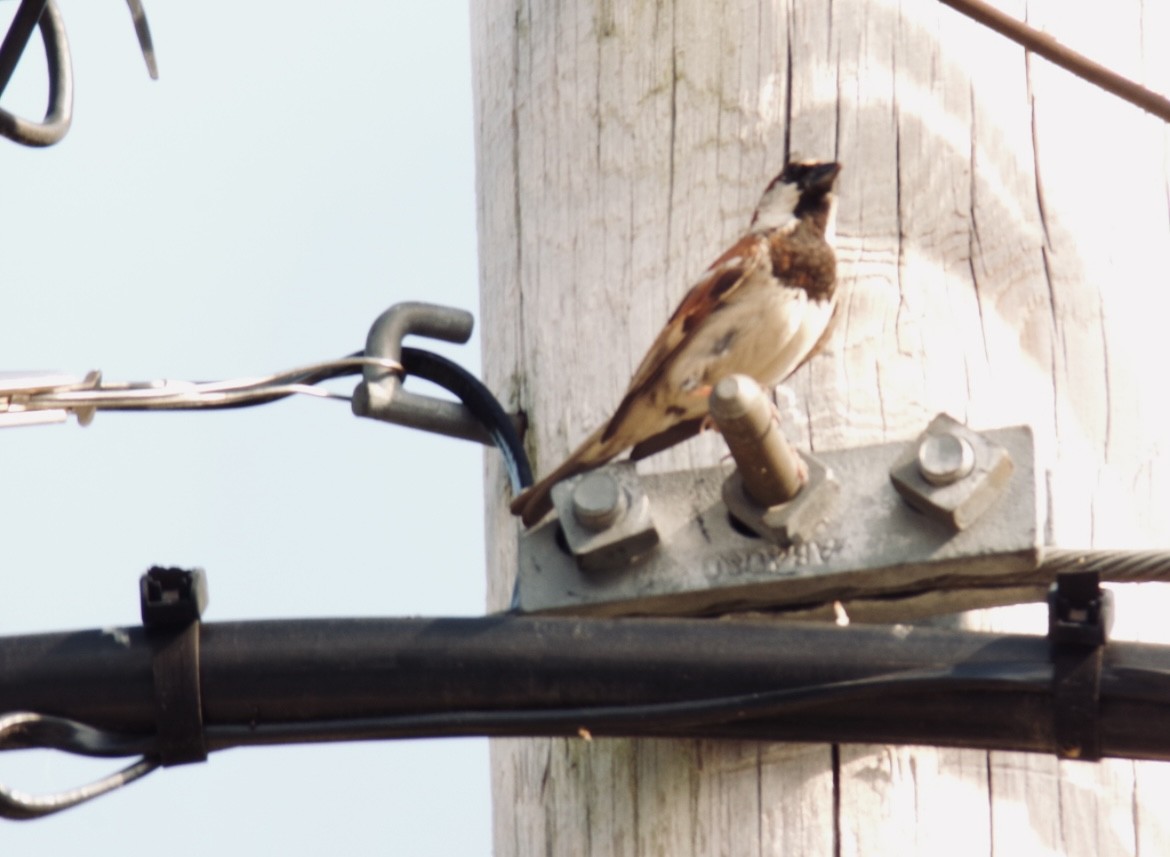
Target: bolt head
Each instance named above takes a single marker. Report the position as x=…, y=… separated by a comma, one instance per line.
x=945, y=458
x=598, y=501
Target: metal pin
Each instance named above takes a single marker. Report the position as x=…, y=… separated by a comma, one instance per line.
x=772, y=473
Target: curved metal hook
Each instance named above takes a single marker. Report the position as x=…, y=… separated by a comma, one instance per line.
x=145, y=42
x=27, y=729
x=59, y=114
x=381, y=395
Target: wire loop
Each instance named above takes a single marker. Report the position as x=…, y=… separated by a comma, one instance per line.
x=59, y=114
x=26, y=729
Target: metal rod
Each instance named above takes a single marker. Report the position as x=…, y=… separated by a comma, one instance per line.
x=772, y=473
x=1046, y=46
x=19, y=32
x=142, y=31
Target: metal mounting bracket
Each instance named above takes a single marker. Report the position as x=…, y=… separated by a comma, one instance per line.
x=380, y=394
x=880, y=557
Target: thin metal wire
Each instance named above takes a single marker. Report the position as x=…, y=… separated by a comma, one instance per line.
x=19, y=806
x=1116, y=566
x=1046, y=46
x=145, y=42
x=29, y=729
x=38, y=398
x=192, y=395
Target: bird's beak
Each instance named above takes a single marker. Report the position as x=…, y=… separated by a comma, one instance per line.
x=821, y=176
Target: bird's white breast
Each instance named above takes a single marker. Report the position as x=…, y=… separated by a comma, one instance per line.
x=764, y=332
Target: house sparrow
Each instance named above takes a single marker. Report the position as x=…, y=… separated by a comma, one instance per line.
x=761, y=309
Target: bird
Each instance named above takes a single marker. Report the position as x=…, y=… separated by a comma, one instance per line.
x=761, y=309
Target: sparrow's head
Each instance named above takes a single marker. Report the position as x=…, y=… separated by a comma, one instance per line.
x=803, y=189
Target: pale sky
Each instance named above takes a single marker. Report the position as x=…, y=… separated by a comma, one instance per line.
x=296, y=169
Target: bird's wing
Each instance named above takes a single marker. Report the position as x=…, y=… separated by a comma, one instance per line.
x=723, y=277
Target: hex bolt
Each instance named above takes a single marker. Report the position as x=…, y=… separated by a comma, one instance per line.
x=944, y=459
x=772, y=472
x=598, y=501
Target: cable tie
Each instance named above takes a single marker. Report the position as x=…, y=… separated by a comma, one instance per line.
x=172, y=600
x=1080, y=614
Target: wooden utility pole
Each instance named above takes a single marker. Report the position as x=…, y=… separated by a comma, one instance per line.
x=1004, y=246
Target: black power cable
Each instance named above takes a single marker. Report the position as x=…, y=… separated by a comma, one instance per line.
x=478, y=399
x=327, y=680
x=716, y=715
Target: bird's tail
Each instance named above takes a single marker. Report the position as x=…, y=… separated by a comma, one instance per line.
x=535, y=502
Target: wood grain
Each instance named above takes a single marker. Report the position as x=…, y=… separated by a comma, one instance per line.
x=1003, y=246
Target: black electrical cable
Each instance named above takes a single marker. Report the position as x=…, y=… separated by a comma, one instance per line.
x=26, y=729
x=684, y=717
x=272, y=683
x=44, y=731
x=478, y=399
x=678, y=717
x=645, y=719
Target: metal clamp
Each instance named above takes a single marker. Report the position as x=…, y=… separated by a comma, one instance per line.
x=875, y=555
x=1080, y=614
x=172, y=601
x=380, y=394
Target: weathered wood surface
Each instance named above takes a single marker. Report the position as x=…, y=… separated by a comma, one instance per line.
x=1004, y=239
